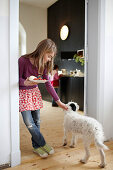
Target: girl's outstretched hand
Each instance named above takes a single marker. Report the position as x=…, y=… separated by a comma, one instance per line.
x=27, y=82
x=62, y=105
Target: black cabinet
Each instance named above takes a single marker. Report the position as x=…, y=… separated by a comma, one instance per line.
x=72, y=89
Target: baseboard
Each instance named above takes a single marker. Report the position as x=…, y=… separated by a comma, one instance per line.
x=15, y=158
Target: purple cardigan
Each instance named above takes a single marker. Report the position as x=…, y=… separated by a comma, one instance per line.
x=26, y=69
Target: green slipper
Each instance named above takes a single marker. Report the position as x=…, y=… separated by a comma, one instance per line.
x=48, y=149
x=40, y=152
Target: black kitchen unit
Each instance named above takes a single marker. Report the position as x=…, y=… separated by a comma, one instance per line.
x=72, y=89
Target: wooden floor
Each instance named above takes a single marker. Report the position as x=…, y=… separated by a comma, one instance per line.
x=65, y=158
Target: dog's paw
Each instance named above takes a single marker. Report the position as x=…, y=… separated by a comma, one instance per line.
x=83, y=161
x=72, y=146
x=64, y=144
x=102, y=165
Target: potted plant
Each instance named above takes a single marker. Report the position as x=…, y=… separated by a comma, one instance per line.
x=79, y=57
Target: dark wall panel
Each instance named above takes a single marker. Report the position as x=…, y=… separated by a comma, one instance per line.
x=71, y=13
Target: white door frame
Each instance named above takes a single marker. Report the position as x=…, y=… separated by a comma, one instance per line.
x=85, y=57
x=15, y=155
x=14, y=30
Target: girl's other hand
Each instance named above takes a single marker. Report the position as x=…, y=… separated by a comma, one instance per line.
x=62, y=105
x=27, y=82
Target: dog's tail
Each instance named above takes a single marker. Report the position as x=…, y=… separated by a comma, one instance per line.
x=99, y=143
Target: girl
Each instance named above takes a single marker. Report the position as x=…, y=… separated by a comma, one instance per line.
x=39, y=62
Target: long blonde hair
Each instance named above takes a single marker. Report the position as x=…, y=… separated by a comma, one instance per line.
x=45, y=46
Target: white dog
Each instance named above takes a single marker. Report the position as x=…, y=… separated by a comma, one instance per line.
x=87, y=128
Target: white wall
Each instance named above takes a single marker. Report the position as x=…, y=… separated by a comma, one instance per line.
x=34, y=21
x=100, y=59
x=22, y=40
x=108, y=96
x=4, y=84
x=9, y=116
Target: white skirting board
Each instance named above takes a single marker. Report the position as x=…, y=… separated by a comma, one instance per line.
x=15, y=158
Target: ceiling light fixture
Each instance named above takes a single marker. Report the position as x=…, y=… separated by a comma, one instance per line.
x=64, y=32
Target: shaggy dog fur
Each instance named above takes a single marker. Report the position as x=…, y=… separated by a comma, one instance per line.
x=86, y=127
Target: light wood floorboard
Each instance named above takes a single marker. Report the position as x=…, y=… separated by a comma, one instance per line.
x=64, y=157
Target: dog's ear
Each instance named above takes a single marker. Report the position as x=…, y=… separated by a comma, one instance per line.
x=73, y=107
